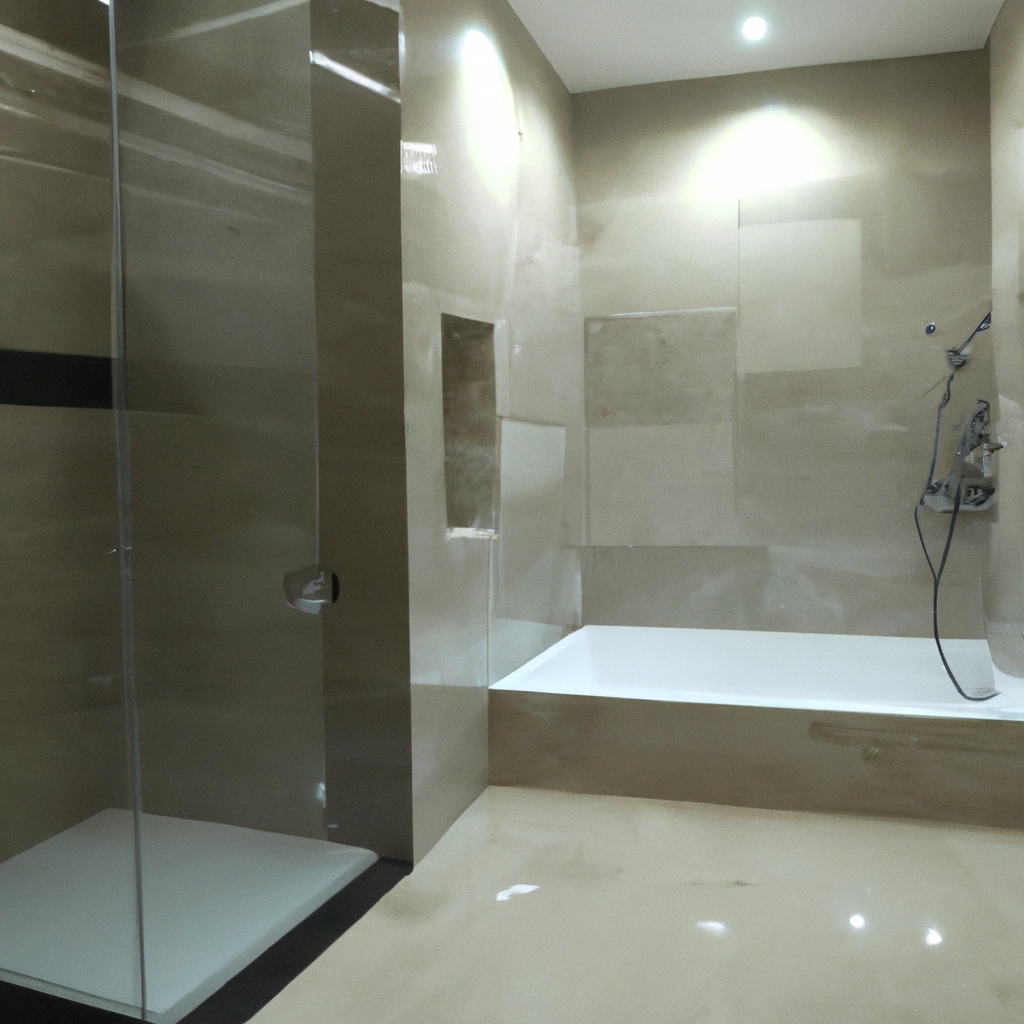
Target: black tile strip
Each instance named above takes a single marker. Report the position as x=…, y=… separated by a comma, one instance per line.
x=26, y=1006
x=252, y=988
x=55, y=379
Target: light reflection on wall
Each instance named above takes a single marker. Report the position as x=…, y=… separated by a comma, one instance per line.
x=490, y=115
x=763, y=151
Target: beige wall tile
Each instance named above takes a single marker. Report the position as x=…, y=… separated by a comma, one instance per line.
x=939, y=769
x=60, y=618
x=362, y=451
x=696, y=587
x=536, y=571
x=661, y=369
x=670, y=485
x=58, y=770
x=814, y=589
x=55, y=233
x=219, y=281
x=449, y=762
x=851, y=205
x=655, y=252
x=489, y=233
x=257, y=764
x=1005, y=575
x=800, y=296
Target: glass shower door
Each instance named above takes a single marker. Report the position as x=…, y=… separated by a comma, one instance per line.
x=221, y=355
x=68, y=908
x=163, y=793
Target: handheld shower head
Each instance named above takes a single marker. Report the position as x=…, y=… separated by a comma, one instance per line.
x=965, y=488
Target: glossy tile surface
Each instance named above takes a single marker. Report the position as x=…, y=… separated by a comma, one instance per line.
x=55, y=232
x=61, y=704
x=62, y=755
x=362, y=493
x=1004, y=576
x=646, y=911
x=768, y=475
x=938, y=769
x=488, y=234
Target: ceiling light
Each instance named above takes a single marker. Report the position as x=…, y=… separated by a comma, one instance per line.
x=755, y=29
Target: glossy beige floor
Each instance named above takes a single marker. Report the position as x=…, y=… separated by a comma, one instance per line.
x=648, y=911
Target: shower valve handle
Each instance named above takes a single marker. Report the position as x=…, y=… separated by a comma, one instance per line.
x=311, y=589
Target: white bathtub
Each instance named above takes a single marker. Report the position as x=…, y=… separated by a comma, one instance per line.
x=873, y=674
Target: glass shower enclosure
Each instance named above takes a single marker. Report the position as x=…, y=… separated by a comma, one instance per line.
x=179, y=786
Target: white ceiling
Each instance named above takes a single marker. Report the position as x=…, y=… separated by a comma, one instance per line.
x=600, y=44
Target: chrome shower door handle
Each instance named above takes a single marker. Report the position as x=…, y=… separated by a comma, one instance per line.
x=311, y=589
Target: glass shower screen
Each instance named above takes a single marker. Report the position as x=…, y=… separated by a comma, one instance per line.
x=163, y=734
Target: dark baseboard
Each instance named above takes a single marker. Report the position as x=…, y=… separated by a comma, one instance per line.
x=249, y=990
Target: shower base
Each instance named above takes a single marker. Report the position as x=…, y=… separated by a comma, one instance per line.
x=215, y=897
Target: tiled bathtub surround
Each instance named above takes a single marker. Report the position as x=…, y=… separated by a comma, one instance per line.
x=866, y=725
x=651, y=912
x=760, y=256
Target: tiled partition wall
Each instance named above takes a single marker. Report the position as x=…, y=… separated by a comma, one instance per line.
x=1005, y=577
x=761, y=255
x=489, y=235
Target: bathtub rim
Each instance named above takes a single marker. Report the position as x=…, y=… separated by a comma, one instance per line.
x=514, y=681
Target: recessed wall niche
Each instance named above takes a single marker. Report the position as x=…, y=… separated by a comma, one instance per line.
x=470, y=426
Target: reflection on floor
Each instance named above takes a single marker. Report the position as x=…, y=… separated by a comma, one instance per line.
x=215, y=897
x=553, y=908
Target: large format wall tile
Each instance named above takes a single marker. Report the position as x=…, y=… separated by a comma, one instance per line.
x=62, y=753
x=221, y=506
x=826, y=591
x=789, y=759
x=362, y=450
x=800, y=293
x=655, y=370
x=221, y=344
x=840, y=210
x=536, y=571
x=655, y=252
x=61, y=688
x=1005, y=570
x=667, y=485
x=489, y=234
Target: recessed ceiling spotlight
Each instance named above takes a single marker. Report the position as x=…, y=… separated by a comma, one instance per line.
x=755, y=29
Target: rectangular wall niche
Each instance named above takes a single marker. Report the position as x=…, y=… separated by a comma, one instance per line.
x=470, y=426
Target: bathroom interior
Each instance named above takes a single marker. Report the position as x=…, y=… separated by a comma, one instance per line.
x=460, y=472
